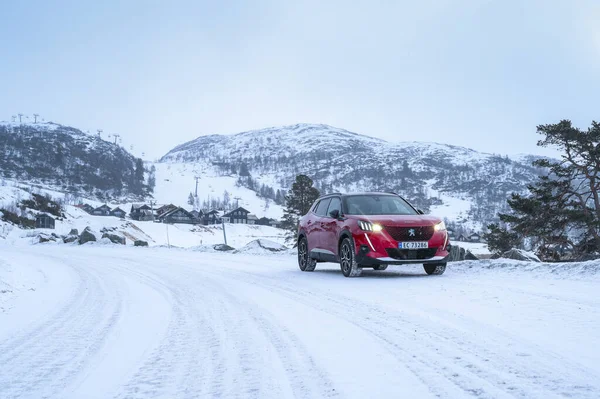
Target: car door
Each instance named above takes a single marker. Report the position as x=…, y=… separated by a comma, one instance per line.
x=330, y=226
x=316, y=236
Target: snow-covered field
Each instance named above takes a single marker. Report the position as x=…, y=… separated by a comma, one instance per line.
x=98, y=321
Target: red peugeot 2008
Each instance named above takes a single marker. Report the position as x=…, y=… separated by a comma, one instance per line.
x=370, y=230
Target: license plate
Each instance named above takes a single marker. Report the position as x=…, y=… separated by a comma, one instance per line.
x=413, y=245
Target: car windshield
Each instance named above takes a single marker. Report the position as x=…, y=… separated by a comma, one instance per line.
x=377, y=205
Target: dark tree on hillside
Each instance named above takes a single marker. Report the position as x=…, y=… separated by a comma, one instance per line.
x=298, y=202
x=244, y=170
x=566, y=202
x=500, y=240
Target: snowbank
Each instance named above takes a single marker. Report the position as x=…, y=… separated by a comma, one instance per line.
x=261, y=246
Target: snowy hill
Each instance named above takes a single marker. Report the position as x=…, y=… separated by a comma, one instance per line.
x=52, y=155
x=461, y=184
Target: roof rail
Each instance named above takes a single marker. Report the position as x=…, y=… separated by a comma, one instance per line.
x=325, y=195
x=391, y=192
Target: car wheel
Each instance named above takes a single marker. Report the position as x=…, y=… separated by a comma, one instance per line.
x=380, y=267
x=348, y=259
x=305, y=262
x=435, y=269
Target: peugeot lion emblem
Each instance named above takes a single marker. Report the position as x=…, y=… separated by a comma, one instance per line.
x=411, y=232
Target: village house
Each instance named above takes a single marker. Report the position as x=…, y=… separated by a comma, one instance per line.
x=461, y=238
x=141, y=212
x=163, y=210
x=237, y=216
x=177, y=215
x=274, y=223
x=44, y=221
x=103, y=210
x=211, y=217
x=474, y=237
x=86, y=207
x=118, y=212
x=252, y=219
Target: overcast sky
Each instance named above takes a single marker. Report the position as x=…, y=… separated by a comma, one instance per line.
x=475, y=73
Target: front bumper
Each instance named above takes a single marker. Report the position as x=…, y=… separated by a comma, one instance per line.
x=374, y=249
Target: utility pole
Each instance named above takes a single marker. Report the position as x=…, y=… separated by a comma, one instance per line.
x=100, y=132
x=196, y=192
x=14, y=118
x=35, y=116
x=237, y=201
x=224, y=234
x=116, y=136
x=20, y=116
x=152, y=203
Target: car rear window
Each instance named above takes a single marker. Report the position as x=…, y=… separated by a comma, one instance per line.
x=377, y=205
x=322, y=207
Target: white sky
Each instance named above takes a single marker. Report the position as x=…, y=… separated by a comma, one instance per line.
x=480, y=74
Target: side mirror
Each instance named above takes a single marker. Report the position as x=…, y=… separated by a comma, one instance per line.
x=420, y=212
x=335, y=214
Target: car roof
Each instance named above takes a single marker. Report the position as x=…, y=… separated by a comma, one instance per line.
x=357, y=194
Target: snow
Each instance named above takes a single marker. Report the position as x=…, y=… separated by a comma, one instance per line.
x=175, y=181
x=123, y=322
x=261, y=246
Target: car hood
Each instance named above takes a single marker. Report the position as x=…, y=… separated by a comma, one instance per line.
x=400, y=220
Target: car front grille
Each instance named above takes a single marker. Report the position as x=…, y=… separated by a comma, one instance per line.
x=421, y=233
x=411, y=254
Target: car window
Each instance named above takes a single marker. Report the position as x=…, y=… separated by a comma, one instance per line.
x=322, y=208
x=335, y=204
x=377, y=205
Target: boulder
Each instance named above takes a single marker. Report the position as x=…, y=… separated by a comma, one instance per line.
x=74, y=232
x=115, y=238
x=223, y=247
x=86, y=236
x=46, y=238
x=470, y=256
x=519, y=254
x=454, y=253
x=140, y=243
x=261, y=246
x=70, y=238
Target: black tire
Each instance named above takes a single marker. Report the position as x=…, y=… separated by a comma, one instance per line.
x=435, y=269
x=380, y=267
x=348, y=259
x=305, y=262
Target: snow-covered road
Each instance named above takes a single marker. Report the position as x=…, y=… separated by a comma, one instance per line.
x=113, y=322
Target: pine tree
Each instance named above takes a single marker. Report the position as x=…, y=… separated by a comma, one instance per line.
x=565, y=203
x=298, y=202
x=500, y=240
x=244, y=170
x=191, y=200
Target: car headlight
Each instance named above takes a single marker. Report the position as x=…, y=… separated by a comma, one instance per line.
x=368, y=226
x=441, y=226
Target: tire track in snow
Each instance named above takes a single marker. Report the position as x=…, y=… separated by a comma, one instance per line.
x=232, y=330
x=474, y=368
x=46, y=358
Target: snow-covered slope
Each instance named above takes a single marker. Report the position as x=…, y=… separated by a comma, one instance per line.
x=69, y=160
x=456, y=182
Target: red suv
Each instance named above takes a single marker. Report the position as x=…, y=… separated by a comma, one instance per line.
x=371, y=230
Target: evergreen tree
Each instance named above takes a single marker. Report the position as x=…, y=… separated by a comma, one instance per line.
x=298, y=202
x=244, y=170
x=191, y=200
x=500, y=240
x=565, y=203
